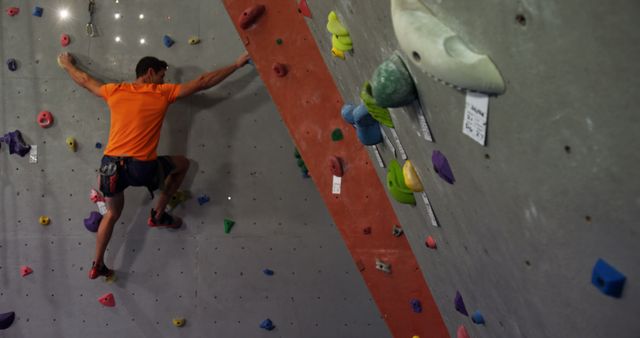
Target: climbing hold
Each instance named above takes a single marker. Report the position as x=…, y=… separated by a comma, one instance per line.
x=6, y=319
x=441, y=166
x=415, y=305
x=391, y=83
x=250, y=16
x=459, y=303
x=381, y=114
x=267, y=324
x=65, y=40
x=367, y=128
x=477, y=318
x=347, y=113
x=45, y=119
x=607, y=279
x=462, y=332
x=25, y=270
x=360, y=265
x=11, y=11
x=37, y=11
x=279, y=41
x=228, y=224
x=107, y=300
x=336, y=166
x=279, y=69
x=397, y=188
x=178, y=198
x=436, y=50
x=341, y=43
x=178, y=322
x=411, y=178
x=202, y=199
x=92, y=223
x=430, y=243
x=194, y=40
x=16, y=143
x=382, y=266
x=397, y=231
x=12, y=64
x=268, y=272
x=366, y=231
x=336, y=135
x=44, y=220
x=167, y=41
x=334, y=26
x=304, y=8
x=98, y=145
x=71, y=143
x=337, y=53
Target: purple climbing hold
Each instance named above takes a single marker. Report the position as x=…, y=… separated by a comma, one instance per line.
x=93, y=221
x=268, y=272
x=441, y=166
x=416, y=305
x=6, y=319
x=460, y=304
x=16, y=143
x=202, y=199
x=12, y=64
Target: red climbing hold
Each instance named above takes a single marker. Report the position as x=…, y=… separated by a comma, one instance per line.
x=250, y=16
x=304, y=8
x=336, y=166
x=25, y=270
x=280, y=69
x=431, y=243
x=108, y=300
x=462, y=332
x=11, y=11
x=45, y=119
x=65, y=40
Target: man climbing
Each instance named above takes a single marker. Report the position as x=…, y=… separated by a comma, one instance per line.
x=130, y=159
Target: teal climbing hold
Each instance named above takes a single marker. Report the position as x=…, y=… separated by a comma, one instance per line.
x=391, y=83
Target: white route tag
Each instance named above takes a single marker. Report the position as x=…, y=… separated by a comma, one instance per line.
x=33, y=154
x=475, y=117
x=337, y=182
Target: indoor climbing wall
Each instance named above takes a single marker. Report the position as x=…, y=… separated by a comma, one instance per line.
x=282, y=259
x=528, y=214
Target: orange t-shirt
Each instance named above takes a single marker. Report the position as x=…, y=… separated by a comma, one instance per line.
x=137, y=113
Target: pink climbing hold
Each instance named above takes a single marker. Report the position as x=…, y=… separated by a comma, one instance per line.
x=45, y=119
x=336, y=166
x=12, y=11
x=304, y=8
x=462, y=332
x=250, y=16
x=108, y=300
x=65, y=40
x=280, y=69
x=431, y=243
x=25, y=270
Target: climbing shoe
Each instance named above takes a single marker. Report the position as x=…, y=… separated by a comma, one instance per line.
x=164, y=220
x=97, y=271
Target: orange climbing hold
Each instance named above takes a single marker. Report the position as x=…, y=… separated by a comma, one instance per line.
x=108, y=300
x=250, y=16
x=304, y=8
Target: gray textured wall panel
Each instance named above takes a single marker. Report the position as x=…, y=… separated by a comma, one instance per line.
x=239, y=149
x=527, y=217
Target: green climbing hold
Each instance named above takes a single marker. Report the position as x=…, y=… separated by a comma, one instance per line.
x=391, y=83
x=228, y=224
x=279, y=41
x=300, y=163
x=381, y=114
x=336, y=135
x=296, y=153
x=397, y=187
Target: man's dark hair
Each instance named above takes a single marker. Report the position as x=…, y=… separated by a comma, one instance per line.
x=149, y=62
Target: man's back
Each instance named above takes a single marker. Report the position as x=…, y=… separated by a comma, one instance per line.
x=137, y=113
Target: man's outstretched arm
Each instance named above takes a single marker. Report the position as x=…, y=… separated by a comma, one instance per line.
x=67, y=62
x=210, y=79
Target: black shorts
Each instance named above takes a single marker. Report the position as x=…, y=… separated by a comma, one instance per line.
x=127, y=171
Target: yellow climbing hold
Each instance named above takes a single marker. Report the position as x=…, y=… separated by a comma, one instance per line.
x=194, y=40
x=337, y=53
x=179, y=322
x=71, y=143
x=334, y=25
x=44, y=220
x=411, y=178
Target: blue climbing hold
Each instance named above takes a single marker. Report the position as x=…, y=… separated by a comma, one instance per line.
x=268, y=272
x=168, y=41
x=98, y=145
x=37, y=11
x=607, y=279
x=202, y=199
x=416, y=306
x=12, y=64
x=367, y=128
x=347, y=113
x=267, y=324
x=477, y=318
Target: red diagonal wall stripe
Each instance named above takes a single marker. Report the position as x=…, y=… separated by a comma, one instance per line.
x=310, y=103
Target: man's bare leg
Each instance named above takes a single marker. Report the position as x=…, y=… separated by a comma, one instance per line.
x=172, y=182
x=115, y=205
